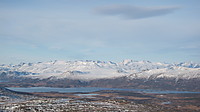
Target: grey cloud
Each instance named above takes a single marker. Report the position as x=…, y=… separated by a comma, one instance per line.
x=133, y=12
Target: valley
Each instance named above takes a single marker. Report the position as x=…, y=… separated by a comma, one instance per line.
x=103, y=100
x=135, y=86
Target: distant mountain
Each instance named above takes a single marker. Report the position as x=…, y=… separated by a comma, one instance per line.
x=90, y=70
x=86, y=72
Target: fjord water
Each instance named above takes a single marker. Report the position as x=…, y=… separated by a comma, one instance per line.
x=91, y=89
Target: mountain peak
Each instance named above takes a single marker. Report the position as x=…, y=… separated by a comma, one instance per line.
x=127, y=61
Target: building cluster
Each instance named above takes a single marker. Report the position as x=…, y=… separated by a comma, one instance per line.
x=65, y=105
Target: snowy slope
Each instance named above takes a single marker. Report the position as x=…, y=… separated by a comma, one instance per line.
x=89, y=70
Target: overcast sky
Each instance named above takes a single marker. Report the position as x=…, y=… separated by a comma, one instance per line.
x=108, y=30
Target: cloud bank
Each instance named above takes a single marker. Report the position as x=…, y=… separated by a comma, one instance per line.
x=134, y=12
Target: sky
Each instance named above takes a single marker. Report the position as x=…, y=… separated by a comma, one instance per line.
x=107, y=30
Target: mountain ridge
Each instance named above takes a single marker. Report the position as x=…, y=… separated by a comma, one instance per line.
x=92, y=70
x=125, y=74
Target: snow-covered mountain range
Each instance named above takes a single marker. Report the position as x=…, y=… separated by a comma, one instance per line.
x=92, y=70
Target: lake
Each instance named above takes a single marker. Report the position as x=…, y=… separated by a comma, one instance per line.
x=91, y=89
